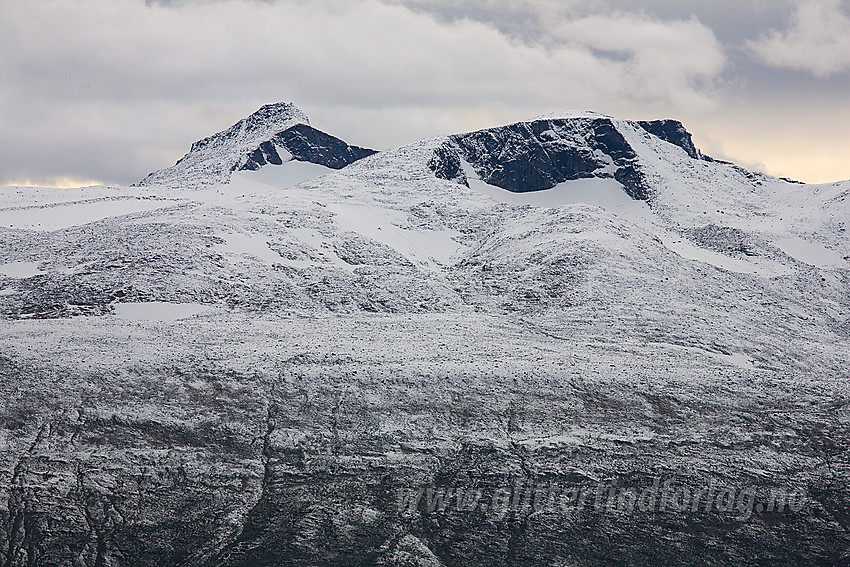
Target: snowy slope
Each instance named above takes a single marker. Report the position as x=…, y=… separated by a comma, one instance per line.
x=249, y=367
x=805, y=221
x=275, y=134
x=212, y=159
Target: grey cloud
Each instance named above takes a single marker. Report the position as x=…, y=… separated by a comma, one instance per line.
x=527, y=20
x=530, y=20
x=817, y=40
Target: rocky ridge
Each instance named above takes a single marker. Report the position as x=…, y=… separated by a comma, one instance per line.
x=537, y=155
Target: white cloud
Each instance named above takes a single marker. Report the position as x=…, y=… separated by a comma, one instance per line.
x=817, y=41
x=677, y=62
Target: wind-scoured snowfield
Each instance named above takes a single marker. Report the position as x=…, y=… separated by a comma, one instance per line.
x=254, y=367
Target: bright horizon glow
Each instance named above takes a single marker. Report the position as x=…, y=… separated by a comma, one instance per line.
x=58, y=183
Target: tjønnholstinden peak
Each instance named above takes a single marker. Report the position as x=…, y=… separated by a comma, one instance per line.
x=272, y=135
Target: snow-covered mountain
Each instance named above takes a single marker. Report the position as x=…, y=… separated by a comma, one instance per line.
x=274, y=134
x=258, y=359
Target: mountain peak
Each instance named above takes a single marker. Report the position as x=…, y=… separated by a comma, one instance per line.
x=274, y=134
x=212, y=159
x=541, y=153
x=538, y=154
x=258, y=127
x=272, y=116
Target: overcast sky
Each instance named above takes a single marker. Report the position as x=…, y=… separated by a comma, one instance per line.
x=108, y=90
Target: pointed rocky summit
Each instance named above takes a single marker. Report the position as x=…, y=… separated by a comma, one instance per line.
x=276, y=133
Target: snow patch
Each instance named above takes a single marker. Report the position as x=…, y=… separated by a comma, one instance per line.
x=755, y=266
x=241, y=245
x=428, y=248
x=291, y=173
x=581, y=436
x=66, y=215
x=808, y=252
x=602, y=192
x=315, y=241
x=21, y=270
x=159, y=311
x=739, y=359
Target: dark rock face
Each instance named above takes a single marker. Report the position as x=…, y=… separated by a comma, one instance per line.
x=674, y=132
x=265, y=154
x=533, y=156
x=305, y=143
x=445, y=163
